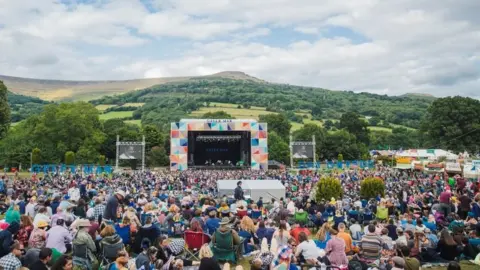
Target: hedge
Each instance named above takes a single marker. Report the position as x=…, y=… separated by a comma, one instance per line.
x=328, y=188
x=372, y=186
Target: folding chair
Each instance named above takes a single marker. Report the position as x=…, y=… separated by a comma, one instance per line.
x=301, y=218
x=109, y=253
x=223, y=248
x=241, y=213
x=255, y=214
x=194, y=241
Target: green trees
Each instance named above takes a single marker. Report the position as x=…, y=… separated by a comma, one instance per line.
x=351, y=122
x=306, y=133
x=156, y=154
x=278, y=149
x=371, y=187
x=278, y=123
x=58, y=129
x=4, y=111
x=328, y=188
x=217, y=115
x=342, y=142
x=453, y=123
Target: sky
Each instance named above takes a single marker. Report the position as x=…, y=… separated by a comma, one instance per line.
x=380, y=46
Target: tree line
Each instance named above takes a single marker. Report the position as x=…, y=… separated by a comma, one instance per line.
x=66, y=131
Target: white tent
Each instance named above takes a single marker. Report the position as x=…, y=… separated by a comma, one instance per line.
x=470, y=172
x=253, y=189
x=427, y=153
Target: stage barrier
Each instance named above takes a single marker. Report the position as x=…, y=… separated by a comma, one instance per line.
x=62, y=168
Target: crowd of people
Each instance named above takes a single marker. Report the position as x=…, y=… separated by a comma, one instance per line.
x=176, y=220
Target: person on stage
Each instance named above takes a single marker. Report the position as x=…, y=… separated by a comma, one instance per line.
x=238, y=195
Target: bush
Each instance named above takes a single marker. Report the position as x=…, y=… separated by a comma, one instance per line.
x=36, y=156
x=327, y=188
x=340, y=157
x=69, y=158
x=101, y=160
x=371, y=187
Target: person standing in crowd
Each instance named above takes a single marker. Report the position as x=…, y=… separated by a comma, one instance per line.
x=112, y=205
x=238, y=194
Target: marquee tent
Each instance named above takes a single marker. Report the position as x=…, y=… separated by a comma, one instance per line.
x=427, y=153
x=253, y=189
x=469, y=171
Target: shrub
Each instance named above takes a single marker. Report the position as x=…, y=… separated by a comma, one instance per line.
x=69, y=158
x=371, y=187
x=327, y=188
x=101, y=160
x=340, y=157
x=36, y=156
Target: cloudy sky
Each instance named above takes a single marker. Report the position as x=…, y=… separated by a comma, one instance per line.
x=380, y=46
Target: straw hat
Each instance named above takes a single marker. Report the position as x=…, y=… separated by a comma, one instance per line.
x=42, y=224
x=225, y=221
x=121, y=193
x=398, y=261
x=83, y=223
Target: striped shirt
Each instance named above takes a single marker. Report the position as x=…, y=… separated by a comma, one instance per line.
x=371, y=246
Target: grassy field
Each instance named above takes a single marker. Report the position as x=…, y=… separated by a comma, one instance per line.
x=113, y=115
x=253, y=112
x=237, y=113
x=103, y=107
x=133, y=104
x=372, y=128
x=134, y=122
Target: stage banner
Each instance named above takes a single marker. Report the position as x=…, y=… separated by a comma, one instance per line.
x=330, y=165
x=347, y=164
x=130, y=151
x=302, y=151
x=339, y=164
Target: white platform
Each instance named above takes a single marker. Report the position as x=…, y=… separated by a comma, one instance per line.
x=254, y=189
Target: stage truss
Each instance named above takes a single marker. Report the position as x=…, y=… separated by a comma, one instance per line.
x=123, y=151
x=304, y=143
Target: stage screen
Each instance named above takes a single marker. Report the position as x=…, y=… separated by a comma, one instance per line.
x=302, y=151
x=130, y=152
x=219, y=148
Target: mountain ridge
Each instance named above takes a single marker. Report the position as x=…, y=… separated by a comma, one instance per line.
x=68, y=90
x=73, y=90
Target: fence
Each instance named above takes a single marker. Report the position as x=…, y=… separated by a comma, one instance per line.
x=329, y=165
x=61, y=168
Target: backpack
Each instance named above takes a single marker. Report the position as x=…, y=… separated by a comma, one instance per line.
x=357, y=265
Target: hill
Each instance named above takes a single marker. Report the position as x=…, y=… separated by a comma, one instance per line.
x=58, y=90
x=23, y=106
x=169, y=102
x=419, y=95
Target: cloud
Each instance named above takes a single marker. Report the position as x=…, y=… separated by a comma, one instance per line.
x=307, y=30
x=406, y=46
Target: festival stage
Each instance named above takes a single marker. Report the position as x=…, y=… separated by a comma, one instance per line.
x=226, y=144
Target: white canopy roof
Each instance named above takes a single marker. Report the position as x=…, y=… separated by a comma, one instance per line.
x=427, y=153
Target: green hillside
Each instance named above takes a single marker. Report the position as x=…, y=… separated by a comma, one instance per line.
x=23, y=106
x=172, y=101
